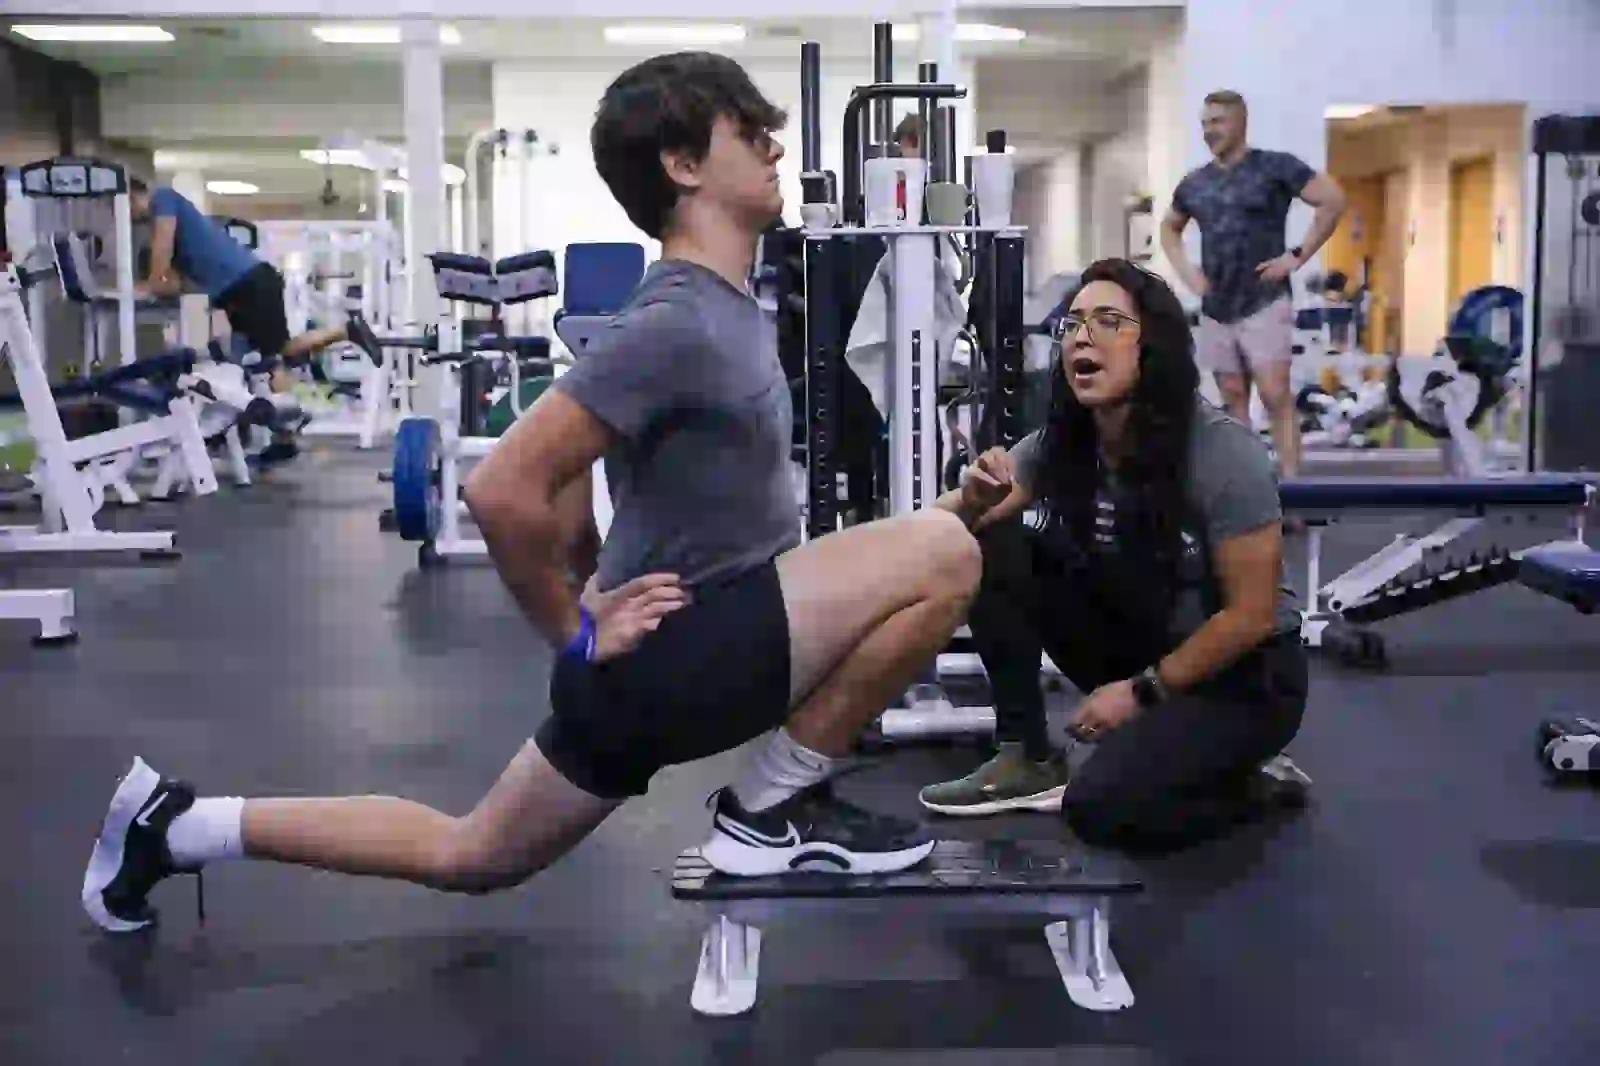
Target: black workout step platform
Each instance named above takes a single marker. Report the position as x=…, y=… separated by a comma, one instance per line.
x=956, y=867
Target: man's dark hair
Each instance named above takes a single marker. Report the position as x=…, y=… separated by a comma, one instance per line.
x=670, y=104
x=909, y=129
x=138, y=185
x=1227, y=98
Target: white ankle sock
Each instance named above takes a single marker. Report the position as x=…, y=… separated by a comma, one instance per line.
x=780, y=768
x=210, y=830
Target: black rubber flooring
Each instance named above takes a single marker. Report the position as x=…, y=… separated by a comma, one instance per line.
x=1439, y=904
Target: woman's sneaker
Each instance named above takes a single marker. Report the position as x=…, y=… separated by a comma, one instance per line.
x=131, y=856
x=813, y=830
x=1286, y=784
x=1008, y=782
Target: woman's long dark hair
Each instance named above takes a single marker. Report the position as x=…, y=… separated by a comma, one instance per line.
x=1152, y=467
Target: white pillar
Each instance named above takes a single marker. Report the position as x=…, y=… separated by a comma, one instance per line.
x=423, y=75
x=1170, y=123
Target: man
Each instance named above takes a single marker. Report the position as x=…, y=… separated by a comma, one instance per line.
x=186, y=245
x=908, y=136
x=706, y=625
x=1241, y=201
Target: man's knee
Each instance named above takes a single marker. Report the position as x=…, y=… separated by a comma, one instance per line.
x=468, y=864
x=954, y=557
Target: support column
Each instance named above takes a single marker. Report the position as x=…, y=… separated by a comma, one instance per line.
x=1170, y=124
x=194, y=311
x=422, y=70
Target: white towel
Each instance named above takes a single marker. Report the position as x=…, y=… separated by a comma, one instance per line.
x=867, y=351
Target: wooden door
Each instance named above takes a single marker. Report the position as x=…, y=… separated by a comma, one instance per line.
x=1471, y=226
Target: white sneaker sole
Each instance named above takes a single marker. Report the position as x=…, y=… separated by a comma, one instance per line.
x=728, y=856
x=106, y=859
x=1049, y=800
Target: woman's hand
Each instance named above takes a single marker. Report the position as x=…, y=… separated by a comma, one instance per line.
x=624, y=615
x=986, y=482
x=1103, y=710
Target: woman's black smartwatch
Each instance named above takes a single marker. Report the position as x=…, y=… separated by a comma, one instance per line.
x=1148, y=691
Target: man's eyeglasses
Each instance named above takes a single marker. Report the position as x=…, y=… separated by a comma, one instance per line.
x=1102, y=322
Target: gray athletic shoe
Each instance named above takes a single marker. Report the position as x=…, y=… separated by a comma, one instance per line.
x=1008, y=782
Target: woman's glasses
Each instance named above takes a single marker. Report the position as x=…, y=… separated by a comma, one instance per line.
x=1102, y=322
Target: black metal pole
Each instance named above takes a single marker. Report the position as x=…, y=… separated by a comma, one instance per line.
x=1535, y=308
x=810, y=107
x=850, y=204
x=927, y=74
x=947, y=127
x=882, y=74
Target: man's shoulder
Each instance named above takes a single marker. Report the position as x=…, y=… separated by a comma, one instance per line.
x=662, y=315
x=165, y=197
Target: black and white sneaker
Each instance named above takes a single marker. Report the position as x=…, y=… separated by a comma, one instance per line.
x=362, y=337
x=131, y=856
x=1286, y=785
x=813, y=830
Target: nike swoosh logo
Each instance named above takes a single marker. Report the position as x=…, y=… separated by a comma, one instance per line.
x=144, y=816
x=791, y=837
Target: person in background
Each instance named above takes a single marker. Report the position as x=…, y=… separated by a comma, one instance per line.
x=1241, y=201
x=188, y=246
x=1153, y=578
x=908, y=136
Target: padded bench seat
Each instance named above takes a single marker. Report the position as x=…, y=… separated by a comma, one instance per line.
x=1567, y=572
x=1407, y=494
x=1064, y=882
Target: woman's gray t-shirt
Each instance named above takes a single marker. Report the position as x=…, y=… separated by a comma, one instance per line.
x=1232, y=489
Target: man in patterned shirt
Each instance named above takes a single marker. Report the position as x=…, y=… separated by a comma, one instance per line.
x=1241, y=201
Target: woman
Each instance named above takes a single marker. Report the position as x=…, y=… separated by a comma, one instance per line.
x=1153, y=577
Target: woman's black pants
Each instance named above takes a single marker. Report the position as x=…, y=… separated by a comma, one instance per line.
x=1176, y=774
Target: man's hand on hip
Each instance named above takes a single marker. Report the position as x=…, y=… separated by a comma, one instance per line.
x=1275, y=270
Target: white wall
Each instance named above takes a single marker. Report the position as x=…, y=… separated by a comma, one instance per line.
x=1291, y=61
x=560, y=103
x=296, y=98
x=1049, y=202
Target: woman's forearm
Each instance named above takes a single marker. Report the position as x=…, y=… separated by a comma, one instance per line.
x=1221, y=641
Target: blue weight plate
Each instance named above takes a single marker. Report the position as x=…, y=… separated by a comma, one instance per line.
x=416, y=482
x=1474, y=315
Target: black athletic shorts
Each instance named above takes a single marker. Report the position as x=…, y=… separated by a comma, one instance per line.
x=714, y=675
x=254, y=306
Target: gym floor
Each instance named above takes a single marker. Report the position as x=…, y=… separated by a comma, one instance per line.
x=1439, y=903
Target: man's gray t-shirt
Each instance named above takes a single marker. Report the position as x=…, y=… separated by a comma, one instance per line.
x=1232, y=489
x=687, y=377
x=1241, y=211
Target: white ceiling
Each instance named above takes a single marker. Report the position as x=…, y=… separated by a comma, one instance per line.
x=239, y=99
x=1086, y=32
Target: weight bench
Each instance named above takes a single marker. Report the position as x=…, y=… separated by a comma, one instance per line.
x=1072, y=888
x=1567, y=572
x=1489, y=524
x=599, y=279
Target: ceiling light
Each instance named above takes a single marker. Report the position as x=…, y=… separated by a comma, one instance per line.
x=394, y=185
x=681, y=34
x=232, y=188
x=969, y=32
x=95, y=34
x=453, y=175
x=374, y=33
x=1337, y=112
x=336, y=157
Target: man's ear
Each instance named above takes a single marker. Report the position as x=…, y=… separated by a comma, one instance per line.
x=681, y=169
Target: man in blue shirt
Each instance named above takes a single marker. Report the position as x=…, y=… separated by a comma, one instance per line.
x=186, y=245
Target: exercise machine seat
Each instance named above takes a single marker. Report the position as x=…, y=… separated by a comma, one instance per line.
x=599, y=279
x=465, y=278
x=1567, y=572
x=1334, y=494
x=529, y=276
